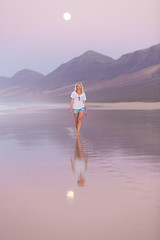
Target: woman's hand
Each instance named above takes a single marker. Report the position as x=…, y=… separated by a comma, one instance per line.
x=86, y=113
x=71, y=104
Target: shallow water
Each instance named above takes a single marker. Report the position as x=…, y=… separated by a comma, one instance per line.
x=102, y=185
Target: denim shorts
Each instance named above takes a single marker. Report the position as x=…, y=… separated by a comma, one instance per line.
x=78, y=110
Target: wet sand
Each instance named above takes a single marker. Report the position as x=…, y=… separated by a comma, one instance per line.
x=117, y=156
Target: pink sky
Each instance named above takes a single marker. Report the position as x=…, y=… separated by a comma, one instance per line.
x=35, y=36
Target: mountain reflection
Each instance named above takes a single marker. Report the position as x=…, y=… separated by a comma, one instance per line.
x=79, y=163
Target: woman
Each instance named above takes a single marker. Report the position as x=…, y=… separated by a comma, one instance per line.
x=78, y=105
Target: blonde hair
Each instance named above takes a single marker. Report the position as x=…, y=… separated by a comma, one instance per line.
x=82, y=88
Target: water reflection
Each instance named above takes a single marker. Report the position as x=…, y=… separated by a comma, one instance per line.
x=122, y=178
x=79, y=164
x=70, y=194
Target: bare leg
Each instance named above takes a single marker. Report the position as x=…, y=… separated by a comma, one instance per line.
x=76, y=119
x=79, y=121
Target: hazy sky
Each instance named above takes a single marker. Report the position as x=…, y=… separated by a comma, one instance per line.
x=34, y=35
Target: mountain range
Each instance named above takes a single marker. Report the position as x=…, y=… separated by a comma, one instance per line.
x=133, y=77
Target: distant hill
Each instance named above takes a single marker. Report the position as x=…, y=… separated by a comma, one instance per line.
x=21, y=87
x=133, y=77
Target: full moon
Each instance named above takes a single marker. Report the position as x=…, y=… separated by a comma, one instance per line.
x=67, y=16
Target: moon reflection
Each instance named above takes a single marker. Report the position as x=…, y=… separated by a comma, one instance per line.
x=70, y=194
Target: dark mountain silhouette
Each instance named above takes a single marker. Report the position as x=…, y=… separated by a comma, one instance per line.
x=91, y=65
x=133, y=77
x=21, y=87
x=138, y=60
x=24, y=77
x=143, y=85
x=88, y=66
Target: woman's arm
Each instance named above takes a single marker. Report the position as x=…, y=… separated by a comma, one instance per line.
x=85, y=107
x=71, y=104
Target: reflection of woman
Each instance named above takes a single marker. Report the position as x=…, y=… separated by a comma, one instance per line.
x=79, y=165
x=78, y=105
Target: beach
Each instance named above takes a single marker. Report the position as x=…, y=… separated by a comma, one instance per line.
x=42, y=165
x=126, y=106
x=27, y=108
